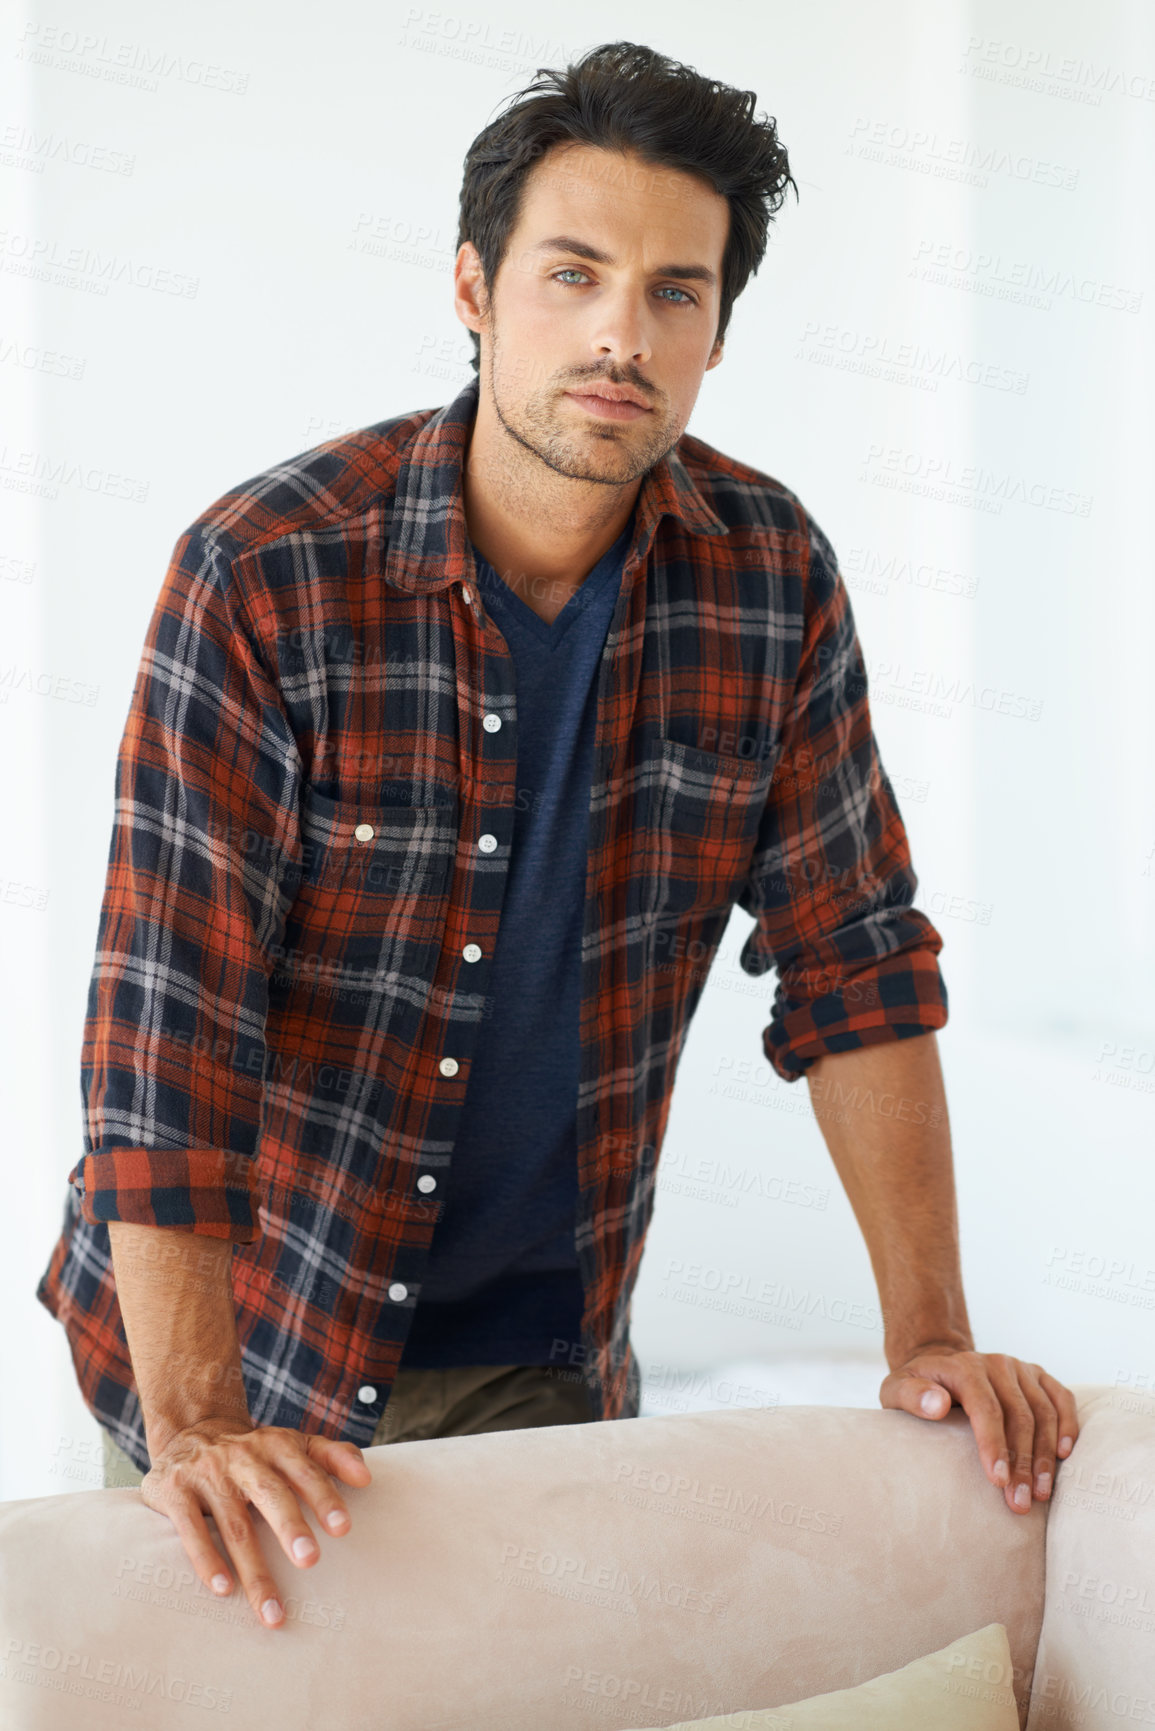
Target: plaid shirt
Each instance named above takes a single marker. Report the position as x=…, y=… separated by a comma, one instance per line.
x=314, y=810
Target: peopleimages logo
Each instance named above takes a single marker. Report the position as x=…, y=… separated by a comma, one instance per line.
x=1027, y=67
x=138, y=65
x=910, y=362
x=84, y=267
x=923, y=150
x=75, y=1673
x=973, y=484
x=1016, y=280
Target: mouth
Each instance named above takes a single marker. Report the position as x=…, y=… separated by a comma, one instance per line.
x=616, y=408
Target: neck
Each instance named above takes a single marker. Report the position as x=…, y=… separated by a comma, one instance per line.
x=525, y=518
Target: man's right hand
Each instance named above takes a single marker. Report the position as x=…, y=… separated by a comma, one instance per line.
x=219, y=1467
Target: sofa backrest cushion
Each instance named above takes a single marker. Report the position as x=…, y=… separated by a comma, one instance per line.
x=1095, y=1666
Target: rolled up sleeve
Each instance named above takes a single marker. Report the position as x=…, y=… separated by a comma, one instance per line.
x=830, y=884
x=205, y=845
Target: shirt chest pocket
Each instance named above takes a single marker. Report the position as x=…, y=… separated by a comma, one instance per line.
x=698, y=814
x=373, y=872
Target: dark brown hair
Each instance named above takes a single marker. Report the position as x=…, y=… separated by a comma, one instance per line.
x=624, y=96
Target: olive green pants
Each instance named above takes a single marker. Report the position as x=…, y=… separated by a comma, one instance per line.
x=458, y=1401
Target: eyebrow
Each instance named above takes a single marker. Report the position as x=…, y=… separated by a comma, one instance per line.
x=582, y=249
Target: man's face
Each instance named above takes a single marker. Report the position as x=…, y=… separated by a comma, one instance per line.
x=560, y=321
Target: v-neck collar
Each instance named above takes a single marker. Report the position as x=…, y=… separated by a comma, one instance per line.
x=551, y=632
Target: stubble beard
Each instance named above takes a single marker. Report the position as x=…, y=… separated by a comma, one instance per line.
x=612, y=453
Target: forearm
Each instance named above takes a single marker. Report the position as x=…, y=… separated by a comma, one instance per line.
x=882, y=1110
x=176, y=1302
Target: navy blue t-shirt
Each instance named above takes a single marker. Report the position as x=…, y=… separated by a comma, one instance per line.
x=501, y=1283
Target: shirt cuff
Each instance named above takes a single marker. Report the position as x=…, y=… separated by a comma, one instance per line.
x=898, y=997
x=211, y=1191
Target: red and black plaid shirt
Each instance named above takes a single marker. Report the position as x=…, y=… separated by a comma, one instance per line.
x=313, y=818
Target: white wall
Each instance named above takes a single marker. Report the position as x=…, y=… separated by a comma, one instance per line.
x=297, y=175
x=1012, y=703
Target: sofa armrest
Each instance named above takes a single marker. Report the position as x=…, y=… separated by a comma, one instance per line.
x=639, y=1571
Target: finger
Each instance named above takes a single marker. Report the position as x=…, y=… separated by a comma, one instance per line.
x=324, y=1456
x=1068, y=1412
x=905, y=1391
x=929, y=1391
x=1019, y=1424
x=226, y=1503
x=186, y=1515
x=967, y=1379
x=922, y=1396
x=261, y=1475
x=314, y=1489
x=1046, y=1429
x=343, y=1459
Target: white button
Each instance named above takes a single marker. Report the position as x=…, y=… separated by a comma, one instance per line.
x=465, y=595
x=397, y=1292
x=364, y=832
x=367, y=1393
x=448, y=1066
x=491, y=723
x=427, y=1182
x=472, y=952
x=487, y=843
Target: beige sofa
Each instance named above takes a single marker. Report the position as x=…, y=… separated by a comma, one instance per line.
x=631, y=1573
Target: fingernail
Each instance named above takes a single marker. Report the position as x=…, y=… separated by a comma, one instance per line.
x=303, y=1549
x=220, y=1583
x=1043, y=1484
x=1022, y=1496
x=931, y=1401
x=1001, y=1472
x=336, y=1519
x=271, y=1611
x=1065, y=1445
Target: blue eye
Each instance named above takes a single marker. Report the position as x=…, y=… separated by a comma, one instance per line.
x=572, y=270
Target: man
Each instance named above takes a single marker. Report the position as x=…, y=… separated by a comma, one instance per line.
x=455, y=742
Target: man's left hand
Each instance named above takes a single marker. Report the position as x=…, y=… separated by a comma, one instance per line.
x=1023, y=1419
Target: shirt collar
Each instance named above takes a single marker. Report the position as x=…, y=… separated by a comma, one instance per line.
x=428, y=540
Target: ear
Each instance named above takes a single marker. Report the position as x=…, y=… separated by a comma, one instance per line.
x=470, y=301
